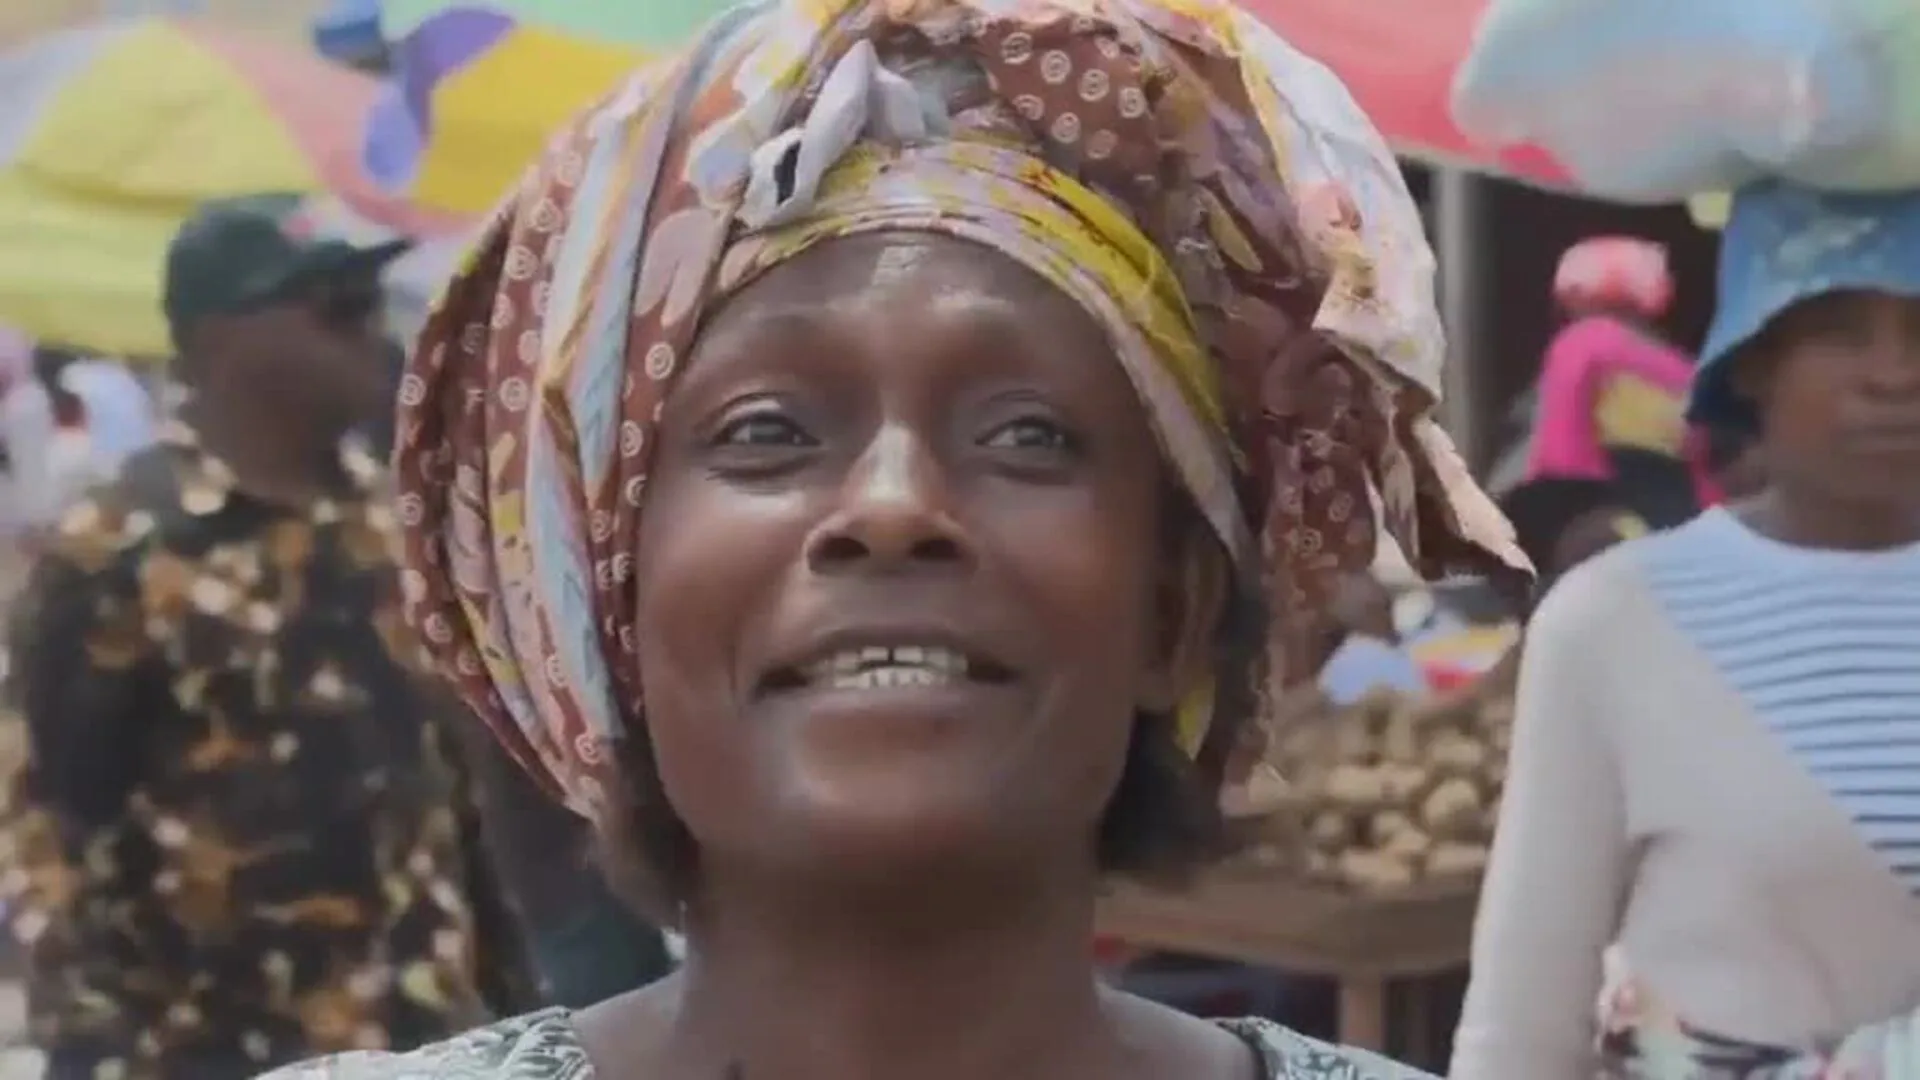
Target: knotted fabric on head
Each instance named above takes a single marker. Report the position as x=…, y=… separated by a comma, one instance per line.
x=1615, y=272
x=1212, y=197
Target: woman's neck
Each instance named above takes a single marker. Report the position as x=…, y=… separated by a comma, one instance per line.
x=932, y=986
x=1813, y=520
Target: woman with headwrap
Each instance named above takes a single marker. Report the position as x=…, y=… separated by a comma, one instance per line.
x=1712, y=820
x=872, y=469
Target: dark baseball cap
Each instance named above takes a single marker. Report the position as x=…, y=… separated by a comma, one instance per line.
x=238, y=254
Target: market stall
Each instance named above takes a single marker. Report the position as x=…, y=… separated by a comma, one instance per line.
x=1368, y=829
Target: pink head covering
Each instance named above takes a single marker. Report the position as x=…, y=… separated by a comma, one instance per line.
x=1613, y=273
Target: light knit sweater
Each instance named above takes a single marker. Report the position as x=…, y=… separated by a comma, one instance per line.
x=1649, y=804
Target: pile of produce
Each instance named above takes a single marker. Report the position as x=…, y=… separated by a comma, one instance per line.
x=1390, y=794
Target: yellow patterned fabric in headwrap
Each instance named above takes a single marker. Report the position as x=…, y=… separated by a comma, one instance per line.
x=1212, y=197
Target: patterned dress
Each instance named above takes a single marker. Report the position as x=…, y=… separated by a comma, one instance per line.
x=545, y=1046
x=234, y=840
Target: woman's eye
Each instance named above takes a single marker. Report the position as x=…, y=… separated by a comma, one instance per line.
x=1031, y=434
x=759, y=445
x=762, y=430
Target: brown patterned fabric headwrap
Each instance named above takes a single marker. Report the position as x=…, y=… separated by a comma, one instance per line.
x=1212, y=197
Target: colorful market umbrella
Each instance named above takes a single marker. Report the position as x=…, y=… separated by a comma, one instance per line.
x=348, y=32
x=1398, y=57
x=655, y=22
x=484, y=83
x=114, y=132
x=479, y=87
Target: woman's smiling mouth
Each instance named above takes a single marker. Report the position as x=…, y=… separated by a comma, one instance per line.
x=888, y=667
x=880, y=667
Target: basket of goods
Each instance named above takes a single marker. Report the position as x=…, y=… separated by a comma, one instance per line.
x=1392, y=794
x=1368, y=858
x=1365, y=827
x=1392, y=785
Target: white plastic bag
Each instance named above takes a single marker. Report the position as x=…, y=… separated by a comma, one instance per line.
x=1656, y=100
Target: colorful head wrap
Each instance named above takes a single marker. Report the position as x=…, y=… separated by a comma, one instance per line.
x=1615, y=272
x=1784, y=244
x=1212, y=197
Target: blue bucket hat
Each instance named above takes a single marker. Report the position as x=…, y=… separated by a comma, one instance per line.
x=1784, y=244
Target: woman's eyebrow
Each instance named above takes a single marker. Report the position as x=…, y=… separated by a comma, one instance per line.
x=779, y=321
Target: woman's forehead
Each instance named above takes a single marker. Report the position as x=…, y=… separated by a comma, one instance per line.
x=855, y=263
x=942, y=280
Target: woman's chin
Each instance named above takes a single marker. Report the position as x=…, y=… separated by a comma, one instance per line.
x=906, y=820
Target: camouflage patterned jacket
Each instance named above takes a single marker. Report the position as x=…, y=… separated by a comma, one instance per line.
x=237, y=838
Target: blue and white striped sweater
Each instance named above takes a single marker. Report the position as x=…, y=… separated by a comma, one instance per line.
x=1825, y=647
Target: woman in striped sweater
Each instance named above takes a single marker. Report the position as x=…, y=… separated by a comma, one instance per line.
x=1712, y=827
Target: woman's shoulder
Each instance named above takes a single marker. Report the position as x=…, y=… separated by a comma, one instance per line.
x=545, y=1046
x=537, y=1046
x=1289, y=1055
x=1621, y=585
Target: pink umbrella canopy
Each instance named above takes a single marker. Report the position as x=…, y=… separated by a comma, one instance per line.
x=1399, y=58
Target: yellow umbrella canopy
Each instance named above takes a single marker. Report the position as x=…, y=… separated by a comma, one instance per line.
x=480, y=87
x=115, y=131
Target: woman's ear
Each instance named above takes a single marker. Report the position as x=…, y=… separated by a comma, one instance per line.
x=1191, y=602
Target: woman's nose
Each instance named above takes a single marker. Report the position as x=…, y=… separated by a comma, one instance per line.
x=894, y=509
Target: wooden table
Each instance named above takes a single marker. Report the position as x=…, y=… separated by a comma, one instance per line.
x=1364, y=945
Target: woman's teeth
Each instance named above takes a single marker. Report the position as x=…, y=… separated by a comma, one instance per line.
x=882, y=668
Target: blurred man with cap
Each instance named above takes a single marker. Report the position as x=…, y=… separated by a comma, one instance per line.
x=241, y=817
x=273, y=326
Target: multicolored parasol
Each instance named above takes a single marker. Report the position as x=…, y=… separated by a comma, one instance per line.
x=656, y=23
x=480, y=86
x=114, y=132
x=482, y=83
